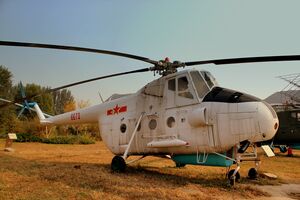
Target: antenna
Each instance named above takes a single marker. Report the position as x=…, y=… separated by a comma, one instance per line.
x=100, y=97
x=291, y=90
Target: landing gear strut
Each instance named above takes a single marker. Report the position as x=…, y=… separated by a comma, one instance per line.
x=118, y=163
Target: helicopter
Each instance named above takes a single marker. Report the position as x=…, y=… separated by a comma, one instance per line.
x=286, y=103
x=288, y=134
x=184, y=115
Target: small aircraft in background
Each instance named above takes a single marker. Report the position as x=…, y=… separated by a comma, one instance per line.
x=184, y=114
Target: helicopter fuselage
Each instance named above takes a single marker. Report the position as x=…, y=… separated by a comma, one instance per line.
x=182, y=113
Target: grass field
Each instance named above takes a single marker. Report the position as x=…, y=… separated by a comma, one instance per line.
x=45, y=171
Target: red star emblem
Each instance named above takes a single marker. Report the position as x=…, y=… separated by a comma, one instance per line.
x=116, y=109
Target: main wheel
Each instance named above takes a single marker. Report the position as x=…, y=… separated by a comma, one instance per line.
x=232, y=179
x=283, y=148
x=118, y=164
x=252, y=173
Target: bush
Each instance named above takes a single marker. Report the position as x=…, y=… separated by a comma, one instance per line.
x=3, y=135
x=27, y=137
x=85, y=139
x=59, y=140
x=71, y=139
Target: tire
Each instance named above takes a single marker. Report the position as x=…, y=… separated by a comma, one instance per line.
x=231, y=179
x=118, y=164
x=252, y=173
x=283, y=148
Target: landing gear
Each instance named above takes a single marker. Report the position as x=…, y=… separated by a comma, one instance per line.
x=233, y=176
x=252, y=173
x=118, y=164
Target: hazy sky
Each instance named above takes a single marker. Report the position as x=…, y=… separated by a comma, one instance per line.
x=181, y=30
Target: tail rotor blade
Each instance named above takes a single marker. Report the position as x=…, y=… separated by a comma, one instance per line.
x=22, y=91
x=21, y=112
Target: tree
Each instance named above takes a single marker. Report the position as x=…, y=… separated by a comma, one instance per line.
x=7, y=114
x=45, y=100
x=69, y=106
x=61, y=100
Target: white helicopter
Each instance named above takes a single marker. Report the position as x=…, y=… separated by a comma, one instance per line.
x=184, y=114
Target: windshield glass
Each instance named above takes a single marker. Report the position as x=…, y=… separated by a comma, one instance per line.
x=199, y=83
x=210, y=80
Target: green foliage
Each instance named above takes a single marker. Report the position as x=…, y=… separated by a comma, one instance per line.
x=60, y=99
x=51, y=103
x=27, y=137
x=71, y=139
x=7, y=114
x=45, y=100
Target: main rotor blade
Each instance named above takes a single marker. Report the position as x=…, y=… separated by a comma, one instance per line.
x=245, y=60
x=98, y=78
x=73, y=84
x=73, y=48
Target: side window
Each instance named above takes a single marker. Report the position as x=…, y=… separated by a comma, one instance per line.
x=183, y=88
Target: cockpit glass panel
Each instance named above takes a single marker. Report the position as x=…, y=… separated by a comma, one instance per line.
x=182, y=84
x=183, y=88
x=200, y=84
x=171, y=85
x=210, y=80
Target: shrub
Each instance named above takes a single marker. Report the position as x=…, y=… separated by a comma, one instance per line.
x=71, y=139
x=27, y=137
x=85, y=139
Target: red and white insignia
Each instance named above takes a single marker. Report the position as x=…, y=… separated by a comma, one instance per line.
x=116, y=110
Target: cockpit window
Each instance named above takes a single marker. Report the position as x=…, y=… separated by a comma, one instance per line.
x=171, y=85
x=200, y=84
x=210, y=80
x=183, y=88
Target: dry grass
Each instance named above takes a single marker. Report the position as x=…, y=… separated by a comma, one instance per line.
x=43, y=171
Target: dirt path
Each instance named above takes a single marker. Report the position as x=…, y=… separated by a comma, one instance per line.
x=280, y=192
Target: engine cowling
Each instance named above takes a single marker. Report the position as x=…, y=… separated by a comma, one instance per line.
x=198, y=117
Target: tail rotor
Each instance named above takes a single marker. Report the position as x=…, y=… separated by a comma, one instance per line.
x=26, y=105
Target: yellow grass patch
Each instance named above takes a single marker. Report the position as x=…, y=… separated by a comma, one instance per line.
x=45, y=171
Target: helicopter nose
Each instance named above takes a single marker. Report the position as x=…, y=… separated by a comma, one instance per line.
x=268, y=121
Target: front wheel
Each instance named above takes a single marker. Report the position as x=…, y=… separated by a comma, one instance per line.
x=118, y=164
x=232, y=179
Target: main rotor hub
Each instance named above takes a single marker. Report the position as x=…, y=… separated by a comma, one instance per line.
x=166, y=67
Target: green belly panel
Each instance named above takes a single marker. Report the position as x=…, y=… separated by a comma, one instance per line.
x=211, y=160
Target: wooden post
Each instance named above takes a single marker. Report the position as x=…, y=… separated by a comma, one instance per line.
x=9, y=140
